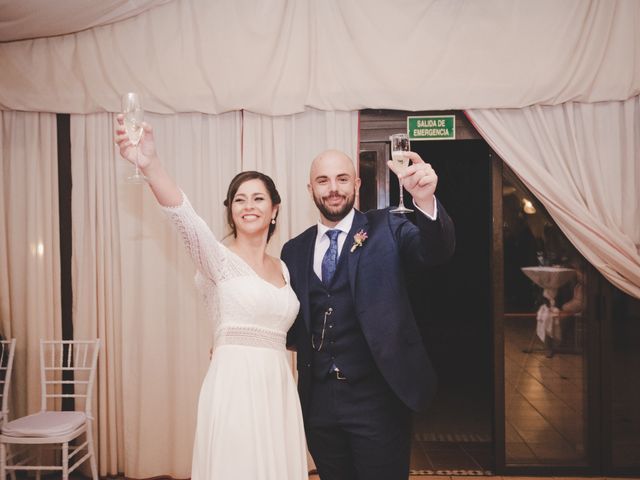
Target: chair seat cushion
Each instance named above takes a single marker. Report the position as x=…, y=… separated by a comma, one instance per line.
x=45, y=424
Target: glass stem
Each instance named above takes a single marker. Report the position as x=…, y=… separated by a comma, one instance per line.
x=401, y=195
x=137, y=169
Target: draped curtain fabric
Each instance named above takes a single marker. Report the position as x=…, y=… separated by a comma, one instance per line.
x=30, y=305
x=283, y=147
x=138, y=290
x=134, y=282
x=280, y=57
x=582, y=161
x=97, y=275
x=167, y=335
x=41, y=18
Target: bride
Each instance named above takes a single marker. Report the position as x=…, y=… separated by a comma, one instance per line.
x=249, y=419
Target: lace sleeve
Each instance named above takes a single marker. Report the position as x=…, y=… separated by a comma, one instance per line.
x=205, y=250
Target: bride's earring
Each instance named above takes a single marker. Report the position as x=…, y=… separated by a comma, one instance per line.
x=273, y=221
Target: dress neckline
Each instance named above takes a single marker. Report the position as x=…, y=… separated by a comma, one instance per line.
x=286, y=282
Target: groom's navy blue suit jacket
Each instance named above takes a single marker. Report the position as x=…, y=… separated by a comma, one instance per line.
x=377, y=271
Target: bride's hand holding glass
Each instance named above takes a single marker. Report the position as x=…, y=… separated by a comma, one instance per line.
x=144, y=152
x=141, y=154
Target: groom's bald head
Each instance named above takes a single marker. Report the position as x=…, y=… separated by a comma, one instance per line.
x=333, y=184
x=334, y=161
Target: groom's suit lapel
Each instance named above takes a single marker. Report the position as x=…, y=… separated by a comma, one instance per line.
x=360, y=222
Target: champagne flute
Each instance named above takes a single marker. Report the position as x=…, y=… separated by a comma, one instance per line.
x=133, y=116
x=400, y=145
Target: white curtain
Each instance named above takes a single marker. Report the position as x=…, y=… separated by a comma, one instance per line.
x=582, y=161
x=97, y=275
x=283, y=148
x=135, y=286
x=133, y=281
x=30, y=307
x=166, y=335
x=35, y=18
x=281, y=57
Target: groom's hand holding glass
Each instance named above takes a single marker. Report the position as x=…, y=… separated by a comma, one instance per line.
x=420, y=180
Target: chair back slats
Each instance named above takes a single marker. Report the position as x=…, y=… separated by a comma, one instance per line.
x=4, y=351
x=62, y=369
x=7, y=352
x=68, y=370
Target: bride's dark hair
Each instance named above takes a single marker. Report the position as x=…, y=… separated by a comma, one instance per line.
x=238, y=180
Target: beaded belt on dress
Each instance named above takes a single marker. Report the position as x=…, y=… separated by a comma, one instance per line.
x=251, y=336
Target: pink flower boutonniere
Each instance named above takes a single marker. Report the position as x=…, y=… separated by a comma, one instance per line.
x=358, y=240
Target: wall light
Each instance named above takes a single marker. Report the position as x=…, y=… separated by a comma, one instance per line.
x=528, y=207
x=37, y=249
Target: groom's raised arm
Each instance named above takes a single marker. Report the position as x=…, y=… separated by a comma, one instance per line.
x=433, y=241
x=427, y=242
x=437, y=239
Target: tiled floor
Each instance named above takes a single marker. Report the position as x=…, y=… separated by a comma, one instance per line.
x=455, y=431
x=544, y=400
x=544, y=412
x=446, y=477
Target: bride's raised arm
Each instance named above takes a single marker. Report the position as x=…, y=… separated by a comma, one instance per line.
x=207, y=253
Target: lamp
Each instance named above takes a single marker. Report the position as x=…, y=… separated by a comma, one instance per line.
x=528, y=207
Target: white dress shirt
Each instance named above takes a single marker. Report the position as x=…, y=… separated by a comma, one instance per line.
x=323, y=242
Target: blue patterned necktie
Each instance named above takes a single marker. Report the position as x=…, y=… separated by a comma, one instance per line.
x=330, y=259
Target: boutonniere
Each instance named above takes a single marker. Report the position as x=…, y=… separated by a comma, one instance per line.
x=358, y=240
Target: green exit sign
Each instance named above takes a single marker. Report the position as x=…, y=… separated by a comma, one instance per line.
x=432, y=127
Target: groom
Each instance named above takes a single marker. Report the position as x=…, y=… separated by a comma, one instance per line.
x=361, y=363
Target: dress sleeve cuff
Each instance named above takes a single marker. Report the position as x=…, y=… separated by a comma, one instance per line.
x=172, y=208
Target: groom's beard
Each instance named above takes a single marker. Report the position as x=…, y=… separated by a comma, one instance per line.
x=337, y=213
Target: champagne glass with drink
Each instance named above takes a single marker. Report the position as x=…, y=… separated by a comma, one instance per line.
x=133, y=116
x=400, y=145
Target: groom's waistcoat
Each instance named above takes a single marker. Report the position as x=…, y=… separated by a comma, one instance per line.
x=344, y=344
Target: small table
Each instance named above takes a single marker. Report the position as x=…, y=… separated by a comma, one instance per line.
x=550, y=279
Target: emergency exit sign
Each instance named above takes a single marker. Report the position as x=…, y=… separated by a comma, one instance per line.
x=432, y=127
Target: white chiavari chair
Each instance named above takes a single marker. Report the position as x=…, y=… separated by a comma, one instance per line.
x=7, y=351
x=67, y=370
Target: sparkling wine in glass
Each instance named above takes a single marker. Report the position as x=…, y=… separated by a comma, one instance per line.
x=400, y=145
x=133, y=116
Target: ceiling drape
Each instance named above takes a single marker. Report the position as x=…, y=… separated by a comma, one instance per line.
x=280, y=57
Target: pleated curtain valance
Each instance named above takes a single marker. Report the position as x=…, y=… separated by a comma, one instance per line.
x=279, y=57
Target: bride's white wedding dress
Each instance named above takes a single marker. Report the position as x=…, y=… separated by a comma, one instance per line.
x=249, y=419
